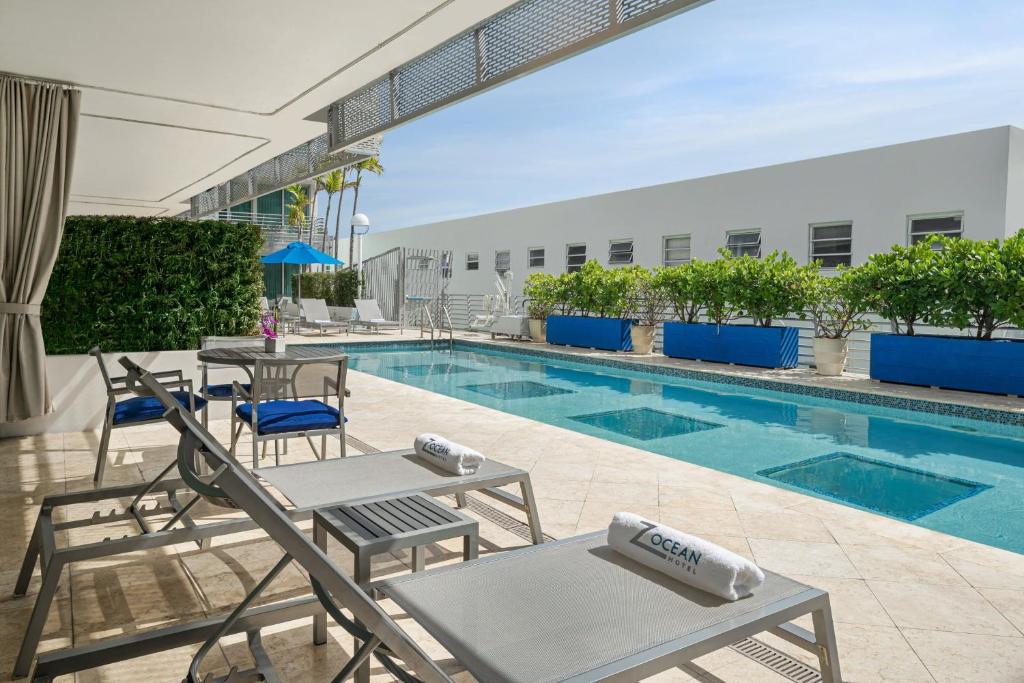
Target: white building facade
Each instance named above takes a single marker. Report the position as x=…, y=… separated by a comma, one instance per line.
x=839, y=209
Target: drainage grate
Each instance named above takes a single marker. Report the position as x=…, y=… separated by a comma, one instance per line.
x=360, y=444
x=506, y=522
x=777, y=661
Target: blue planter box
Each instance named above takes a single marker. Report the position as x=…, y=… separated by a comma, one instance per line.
x=994, y=367
x=763, y=347
x=610, y=334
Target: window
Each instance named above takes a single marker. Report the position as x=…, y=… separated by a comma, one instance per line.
x=924, y=226
x=675, y=250
x=502, y=261
x=535, y=257
x=620, y=252
x=575, y=257
x=472, y=261
x=744, y=243
x=832, y=244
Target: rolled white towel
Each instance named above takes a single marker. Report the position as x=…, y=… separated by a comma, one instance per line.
x=689, y=559
x=447, y=455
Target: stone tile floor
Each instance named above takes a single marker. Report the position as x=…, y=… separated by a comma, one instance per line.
x=910, y=604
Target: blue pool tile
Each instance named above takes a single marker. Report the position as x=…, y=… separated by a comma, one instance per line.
x=894, y=490
x=645, y=423
x=515, y=390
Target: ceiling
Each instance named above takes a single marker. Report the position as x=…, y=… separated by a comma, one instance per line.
x=180, y=96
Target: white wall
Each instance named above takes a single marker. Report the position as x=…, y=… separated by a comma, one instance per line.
x=1015, y=183
x=877, y=189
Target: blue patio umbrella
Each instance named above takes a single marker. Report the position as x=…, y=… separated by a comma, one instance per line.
x=300, y=253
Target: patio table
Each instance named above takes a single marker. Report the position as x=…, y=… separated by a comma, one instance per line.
x=297, y=354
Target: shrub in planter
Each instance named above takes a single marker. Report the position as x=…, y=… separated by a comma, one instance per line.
x=541, y=291
x=968, y=284
x=763, y=289
x=837, y=309
x=597, y=297
x=337, y=288
x=693, y=287
x=645, y=304
x=902, y=285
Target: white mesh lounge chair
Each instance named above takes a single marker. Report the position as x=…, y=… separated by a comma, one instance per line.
x=572, y=610
x=371, y=317
x=316, y=316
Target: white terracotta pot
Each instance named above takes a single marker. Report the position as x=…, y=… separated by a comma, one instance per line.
x=643, y=338
x=274, y=345
x=537, y=330
x=830, y=356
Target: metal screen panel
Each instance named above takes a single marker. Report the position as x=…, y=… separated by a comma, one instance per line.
x=367, y=109
x=296, y=165
x=628, y=9
x=526, y=36
x=532, y=29
x=436, y=76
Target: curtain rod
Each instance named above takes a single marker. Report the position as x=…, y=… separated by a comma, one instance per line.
x=37, y=80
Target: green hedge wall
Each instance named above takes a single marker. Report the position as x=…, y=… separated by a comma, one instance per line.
x=151, y=284
x=338, y=288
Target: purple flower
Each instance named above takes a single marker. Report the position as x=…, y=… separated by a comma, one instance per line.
x=268, y=323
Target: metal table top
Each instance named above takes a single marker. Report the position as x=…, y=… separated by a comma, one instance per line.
x=293, y=354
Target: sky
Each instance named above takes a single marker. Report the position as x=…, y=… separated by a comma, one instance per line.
x=731, y=85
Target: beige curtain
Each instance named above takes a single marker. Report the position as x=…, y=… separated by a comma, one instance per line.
x=38, y=124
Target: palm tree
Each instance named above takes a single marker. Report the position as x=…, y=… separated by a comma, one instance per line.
x=297, y=209
x=333, y=183
x=370, y=165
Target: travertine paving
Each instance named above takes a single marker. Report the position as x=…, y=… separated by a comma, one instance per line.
x=910, y=604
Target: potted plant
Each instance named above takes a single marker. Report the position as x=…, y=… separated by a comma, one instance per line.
x=270, y=326
x=762, y=289
x=540, y=289
x=645, y=304
x=837, y=309
x=954, y=283
x=591, y=301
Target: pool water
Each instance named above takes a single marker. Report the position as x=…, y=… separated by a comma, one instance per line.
x=963, y=477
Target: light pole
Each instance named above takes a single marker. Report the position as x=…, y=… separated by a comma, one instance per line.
x=360, y=226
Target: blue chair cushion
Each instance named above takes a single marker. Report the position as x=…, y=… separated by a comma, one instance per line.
x=223, y=390
x=279, y=417
x=143, y=408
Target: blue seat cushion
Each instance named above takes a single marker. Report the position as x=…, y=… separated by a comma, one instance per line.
x=223, y=390
x=278, y=417
x=143, y=408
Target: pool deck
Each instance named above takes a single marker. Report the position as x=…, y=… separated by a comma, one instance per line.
x=910, y=604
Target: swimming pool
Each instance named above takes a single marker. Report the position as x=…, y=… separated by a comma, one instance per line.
x=952, y=474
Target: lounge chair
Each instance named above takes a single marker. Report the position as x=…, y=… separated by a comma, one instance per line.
x=569, y=610
x=370, y=316
x=316, y=316
x=224, y=390
x=290, y=399
x=138, y=410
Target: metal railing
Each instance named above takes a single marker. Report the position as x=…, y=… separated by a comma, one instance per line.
x=465, y=306
x=276, y=231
